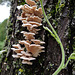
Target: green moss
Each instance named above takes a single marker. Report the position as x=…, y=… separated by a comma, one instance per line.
x=21, y=70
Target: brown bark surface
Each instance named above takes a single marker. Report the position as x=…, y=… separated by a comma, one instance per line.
x=63, y=22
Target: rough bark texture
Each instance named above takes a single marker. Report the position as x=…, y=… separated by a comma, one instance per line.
x=63, y=20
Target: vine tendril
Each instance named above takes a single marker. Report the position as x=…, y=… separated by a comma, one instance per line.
x=55, y=35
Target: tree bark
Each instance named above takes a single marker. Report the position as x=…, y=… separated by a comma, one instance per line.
x=63, y=21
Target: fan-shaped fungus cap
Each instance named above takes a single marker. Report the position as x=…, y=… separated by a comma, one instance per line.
x=15, y=56
x=26, y=58
x=20, y=18
x=24, y=25
x=23, y=14
x=36, y=53
x=37, y=41
x=17, y=50
x=31, y=22
x=25, y=43
x=29, y=26
x=34, y=30
x=19, y=7
x=26, y=53
x=34, y=49
x=28, y=41
x=24, y=21
x=20, y=54
x=26, y=62
x=17, y=46
x=27, y=15
x=38, y=12
x=35, y=23
x=28, y=35
x=27, y=9
x=30, y=2
x=34, y=18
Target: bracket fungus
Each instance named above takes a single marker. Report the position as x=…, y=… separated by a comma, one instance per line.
x=30, y=2
x=31, y=18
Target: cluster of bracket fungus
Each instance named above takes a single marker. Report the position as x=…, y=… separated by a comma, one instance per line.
x=31, y=18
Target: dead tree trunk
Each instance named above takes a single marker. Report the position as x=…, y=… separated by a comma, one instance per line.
x=63, y=20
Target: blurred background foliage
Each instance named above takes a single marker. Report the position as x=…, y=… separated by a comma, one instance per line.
x=2, y=33
x=2, y=2
x=3, y=25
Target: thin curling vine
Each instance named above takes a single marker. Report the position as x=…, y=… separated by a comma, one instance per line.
x=55, y=35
